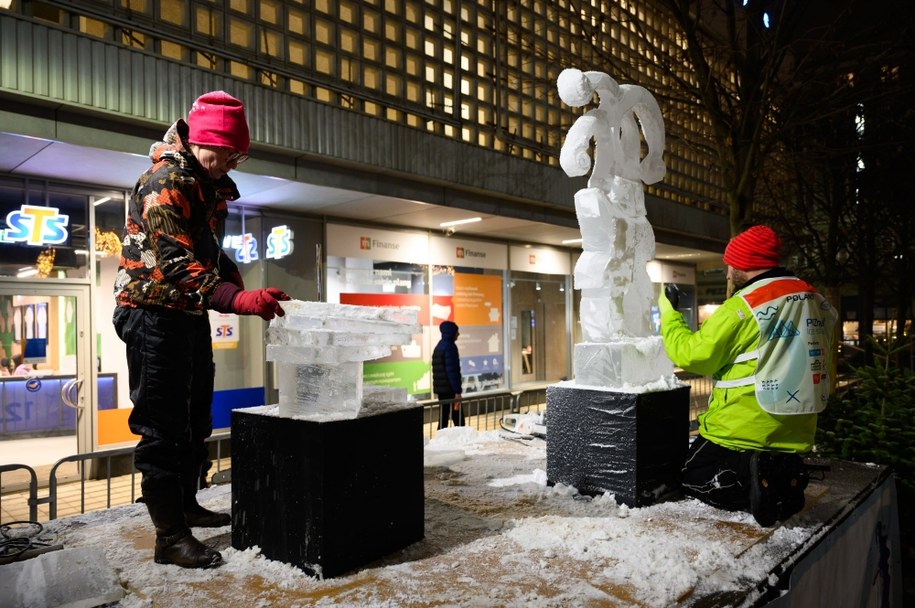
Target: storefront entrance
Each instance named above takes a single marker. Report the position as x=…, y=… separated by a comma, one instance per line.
x=45, y=401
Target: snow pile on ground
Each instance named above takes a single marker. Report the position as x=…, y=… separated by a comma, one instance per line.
x=496, y=534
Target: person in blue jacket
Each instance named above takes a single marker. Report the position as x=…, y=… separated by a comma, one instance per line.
x=446, y=375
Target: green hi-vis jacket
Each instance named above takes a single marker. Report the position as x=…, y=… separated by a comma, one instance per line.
x=726, y=348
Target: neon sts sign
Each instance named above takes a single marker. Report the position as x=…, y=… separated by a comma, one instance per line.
x=279, y=242
x=37, y=226
x=279, y=245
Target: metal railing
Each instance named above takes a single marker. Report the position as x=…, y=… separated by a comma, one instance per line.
x=700, y=389
x=483, y=412
x=92, y=466
x=33, y=486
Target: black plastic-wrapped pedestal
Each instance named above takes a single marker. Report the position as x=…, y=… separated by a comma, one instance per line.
x=630, y=444
x=327, y=497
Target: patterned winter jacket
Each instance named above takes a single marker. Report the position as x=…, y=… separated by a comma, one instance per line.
x=171, y=253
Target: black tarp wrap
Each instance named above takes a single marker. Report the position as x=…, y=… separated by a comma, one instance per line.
x=630, y=444
x=327, y=497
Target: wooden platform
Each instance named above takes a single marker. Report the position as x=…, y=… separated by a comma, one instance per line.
x=497, y=535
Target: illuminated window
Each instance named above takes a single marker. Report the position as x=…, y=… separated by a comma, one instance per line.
x=324, y=32
x=349, y=41
x=347, y=12
x=371, y=22
x=240, y=70
x=324, y=62
x=296, y=22
x=208, y=22
x=393, y=84
x=271, y=43
x=94, y=27
x=371, y=50
x=133, y=39
x=371, y=77
x=206, y=60
x=270, y=11
x=298, y=52
x=241, y=6
x=172, y=50
x=173, y=11
x=137, y=6
x=241, y=33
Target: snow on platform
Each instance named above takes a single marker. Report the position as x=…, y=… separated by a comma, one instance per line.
x=497, y=535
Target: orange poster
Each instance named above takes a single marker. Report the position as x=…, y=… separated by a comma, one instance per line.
x=477, y=299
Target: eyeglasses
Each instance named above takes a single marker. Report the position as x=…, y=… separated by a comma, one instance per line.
x=236, y=157
x=231, y=155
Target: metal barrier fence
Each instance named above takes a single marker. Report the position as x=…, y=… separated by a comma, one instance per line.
x=32, y=496
x=482, y=412
x=700, y=389
x=92, y=466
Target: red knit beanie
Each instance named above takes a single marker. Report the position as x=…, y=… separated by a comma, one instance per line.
x=218, y=119
x=753, y=249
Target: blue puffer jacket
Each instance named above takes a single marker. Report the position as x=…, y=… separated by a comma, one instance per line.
x=446, y=363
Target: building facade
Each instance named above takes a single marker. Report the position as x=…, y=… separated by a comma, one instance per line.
x=371, y=122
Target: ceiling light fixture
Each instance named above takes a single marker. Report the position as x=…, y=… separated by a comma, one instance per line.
x=104, y=199
x=571, y=241
x=468, y=220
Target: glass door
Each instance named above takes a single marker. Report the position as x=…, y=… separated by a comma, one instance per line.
x=48, y=388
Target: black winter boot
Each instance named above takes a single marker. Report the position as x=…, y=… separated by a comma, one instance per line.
x=174, y=542
x=195, y=515
x=182, y=549
x=201, y=517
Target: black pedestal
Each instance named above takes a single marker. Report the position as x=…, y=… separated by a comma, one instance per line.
x=327, y=497
x=630, y=444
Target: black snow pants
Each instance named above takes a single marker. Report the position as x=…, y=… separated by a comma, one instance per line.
x=171, y=374
x=717, y=476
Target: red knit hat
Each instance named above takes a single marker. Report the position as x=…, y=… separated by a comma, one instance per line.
x=753, y=249
x=218, y=119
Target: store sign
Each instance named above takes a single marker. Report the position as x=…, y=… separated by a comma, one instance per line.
x=369, y=243
x=224, y=330
x=279, y=245
x=279, y=242
x=245, y=246
x=37, y=226
x=540, y=259
x=454, y=251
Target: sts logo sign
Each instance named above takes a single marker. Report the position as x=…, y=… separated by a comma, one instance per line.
x=35, y=226
x=279, y=242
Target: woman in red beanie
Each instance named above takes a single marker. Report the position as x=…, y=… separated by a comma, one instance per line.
x=172, y=269
x=767, y=348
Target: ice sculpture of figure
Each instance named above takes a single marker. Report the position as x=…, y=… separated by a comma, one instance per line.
x=616, y=293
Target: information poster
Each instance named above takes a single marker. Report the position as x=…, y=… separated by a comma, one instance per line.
x=477, y=304
x=407, y=365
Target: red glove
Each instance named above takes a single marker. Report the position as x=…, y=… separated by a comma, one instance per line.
x=261, y=302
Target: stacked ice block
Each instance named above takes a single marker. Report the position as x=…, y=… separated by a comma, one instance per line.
x=319, y=349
